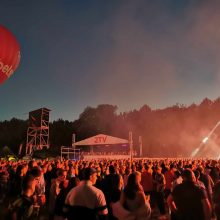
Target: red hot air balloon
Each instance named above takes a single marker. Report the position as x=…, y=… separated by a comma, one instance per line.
x=9, y=54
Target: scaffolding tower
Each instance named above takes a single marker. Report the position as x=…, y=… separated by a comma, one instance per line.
x=38, y=130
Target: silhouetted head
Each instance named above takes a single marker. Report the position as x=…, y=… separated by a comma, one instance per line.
x=188, y=176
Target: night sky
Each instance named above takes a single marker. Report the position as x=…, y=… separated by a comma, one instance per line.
x=127, y=53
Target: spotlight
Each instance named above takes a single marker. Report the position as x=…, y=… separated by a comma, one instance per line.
x=205, y=140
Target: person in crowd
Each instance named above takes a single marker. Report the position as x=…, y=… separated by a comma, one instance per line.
x=127, y=173
x=116, y=193
x=189, y=201
x=159, y=186
x=23, y=208
x=147, y=180
x=169, y=178
x=85, y=201
x=4, y=180
x=133, y=198
x=38, y=173
x=215, y=171
x=216, y=199
x=16, y=183
x=100, y=178
x=207, y=181
x=71, y=172
x=55, y=190
x=198, y=182
x=47, y=178
x=55, y=167
x=177, y=179
x=65, y=187
x=109, y=183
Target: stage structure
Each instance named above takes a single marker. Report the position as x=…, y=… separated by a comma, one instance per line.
x=70, y=153
x=100, y=140
x=38, y=130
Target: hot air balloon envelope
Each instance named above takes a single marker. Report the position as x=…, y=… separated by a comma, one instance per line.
x=9, y=54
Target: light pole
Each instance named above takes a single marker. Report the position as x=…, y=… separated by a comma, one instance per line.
x=73, y=144
x=140, y=145
x=131, y=145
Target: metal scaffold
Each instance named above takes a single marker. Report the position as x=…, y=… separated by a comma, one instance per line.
x=38, y=130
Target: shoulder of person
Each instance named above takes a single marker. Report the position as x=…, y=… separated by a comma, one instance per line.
x=96, y=190
x=178, y=187
x=140, y=193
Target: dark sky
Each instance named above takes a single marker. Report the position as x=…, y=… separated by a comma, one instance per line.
x=127, y=53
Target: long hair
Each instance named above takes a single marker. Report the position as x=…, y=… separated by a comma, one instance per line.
x=117, y=182
x=132, y=186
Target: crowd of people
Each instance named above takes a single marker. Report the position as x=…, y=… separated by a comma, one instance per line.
x=108, y=153
x=180, y=189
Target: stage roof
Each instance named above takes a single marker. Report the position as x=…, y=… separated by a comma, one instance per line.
x=101, y=139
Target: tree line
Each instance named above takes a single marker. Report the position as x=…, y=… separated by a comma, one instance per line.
x=170, y=132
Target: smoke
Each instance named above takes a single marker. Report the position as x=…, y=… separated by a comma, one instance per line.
x=204, y=36
x=135, y=66
x=158, y=57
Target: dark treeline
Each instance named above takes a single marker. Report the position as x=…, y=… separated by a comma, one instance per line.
x=173, y=131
